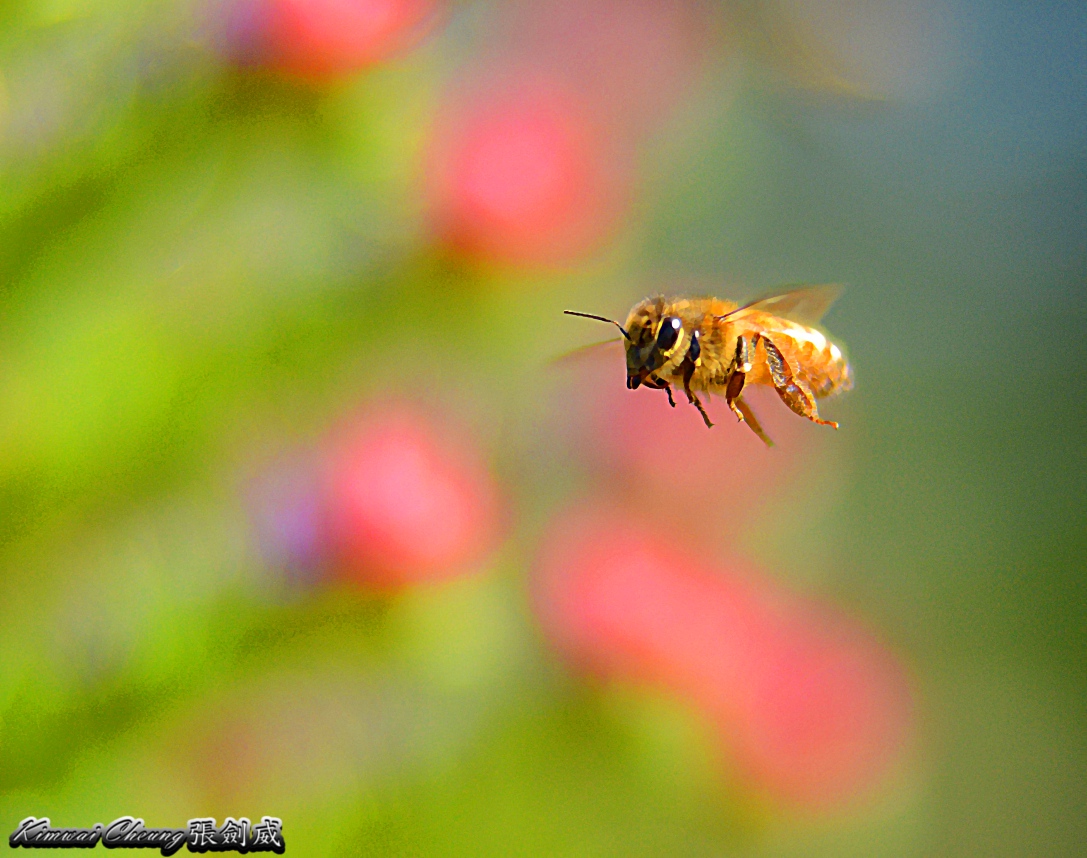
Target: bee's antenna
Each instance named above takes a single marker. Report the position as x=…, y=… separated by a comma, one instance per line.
x=600, y=319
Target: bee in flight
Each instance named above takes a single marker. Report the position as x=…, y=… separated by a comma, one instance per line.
x=706, y=345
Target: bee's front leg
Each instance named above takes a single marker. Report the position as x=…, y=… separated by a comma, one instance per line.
x=668, y=389
x=661, y=384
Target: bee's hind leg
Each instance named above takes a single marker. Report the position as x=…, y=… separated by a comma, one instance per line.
x=793, y=392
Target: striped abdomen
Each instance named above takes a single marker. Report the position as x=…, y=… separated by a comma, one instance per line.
x=811, y=355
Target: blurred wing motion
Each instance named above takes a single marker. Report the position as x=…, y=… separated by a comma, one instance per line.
x=804, y=304
x=799, y=53
x=591, y=351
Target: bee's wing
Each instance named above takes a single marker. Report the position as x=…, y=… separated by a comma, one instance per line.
x=593, y=350
x=803, y=304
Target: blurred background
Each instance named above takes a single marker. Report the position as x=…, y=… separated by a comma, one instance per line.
x=300, y=517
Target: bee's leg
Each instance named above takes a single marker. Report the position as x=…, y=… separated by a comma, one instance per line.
x=688, y=374
x=697, y=403
x=667, y=389
x=748, y=416
x=737, y=375
x=793, y=391
x=732, y=392
x=661, y=384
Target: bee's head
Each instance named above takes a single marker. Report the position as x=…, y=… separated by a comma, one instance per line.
x=654, y=339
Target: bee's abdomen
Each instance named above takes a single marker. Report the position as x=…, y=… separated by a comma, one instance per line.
x=818, y=361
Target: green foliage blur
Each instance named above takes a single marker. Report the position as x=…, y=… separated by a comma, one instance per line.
x=202, y=268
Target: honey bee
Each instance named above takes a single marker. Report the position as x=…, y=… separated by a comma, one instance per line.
x=706, y=345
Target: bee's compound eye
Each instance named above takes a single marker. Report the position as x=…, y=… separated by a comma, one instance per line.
x=668, y=333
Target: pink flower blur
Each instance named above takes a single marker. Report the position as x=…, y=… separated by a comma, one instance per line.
x=813, y=708
x=405, y=503
x=323, y=39
x=632, y=60
x=521, y=176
